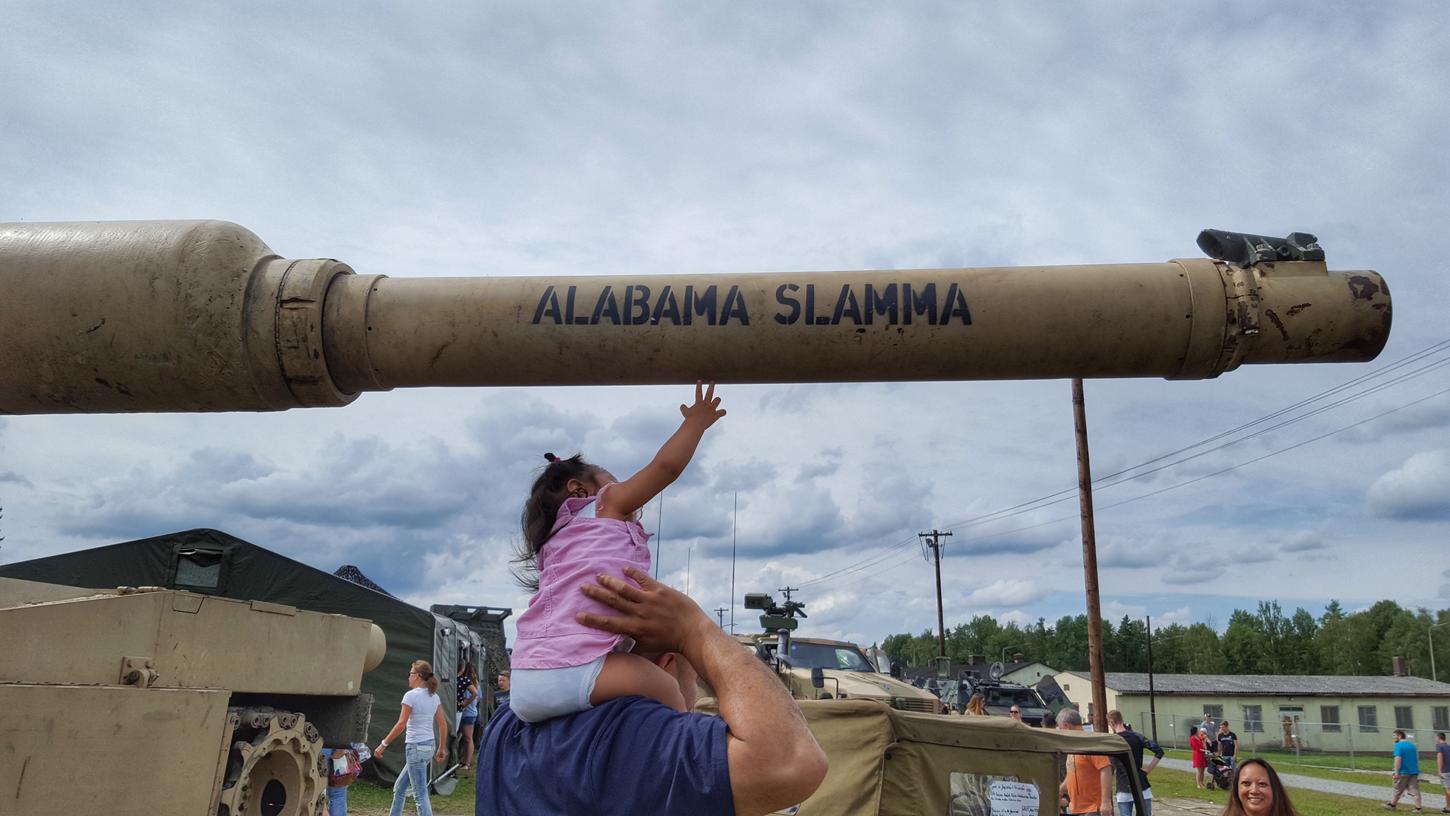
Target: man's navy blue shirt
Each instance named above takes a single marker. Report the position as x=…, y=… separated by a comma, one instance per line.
x=626, y=756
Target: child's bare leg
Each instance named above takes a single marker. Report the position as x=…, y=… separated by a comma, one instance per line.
x=629, y=675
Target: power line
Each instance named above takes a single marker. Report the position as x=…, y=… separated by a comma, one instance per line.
x=1114, y=479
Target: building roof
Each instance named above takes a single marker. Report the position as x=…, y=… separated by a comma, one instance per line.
x=1308, y=685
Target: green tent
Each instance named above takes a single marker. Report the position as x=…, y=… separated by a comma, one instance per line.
x=215, y=563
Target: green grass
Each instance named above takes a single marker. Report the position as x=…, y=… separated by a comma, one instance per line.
x=1335, y=766
x=1362, y=762
x=369, y=799
x=1170, y=784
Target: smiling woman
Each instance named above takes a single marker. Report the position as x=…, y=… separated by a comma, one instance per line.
x=1257, y=791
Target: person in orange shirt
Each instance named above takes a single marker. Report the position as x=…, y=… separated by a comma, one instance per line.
x=1089, y=784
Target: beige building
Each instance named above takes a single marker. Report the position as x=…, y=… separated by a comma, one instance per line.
x=1028, y=673
x=1309, y=713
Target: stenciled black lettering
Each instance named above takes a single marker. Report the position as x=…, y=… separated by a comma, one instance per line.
x=605, y=307
x=813, y=319
x=666, y=307
x=569, y=316
x=636, y=304
x=955, y=305
x=881, y=302
x=548, y=306
x=846, y=307
x=734, y=308
x=787, y=300
x=700, y=304
x=923, y=305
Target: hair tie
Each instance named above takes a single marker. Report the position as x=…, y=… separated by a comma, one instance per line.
x=551, y=457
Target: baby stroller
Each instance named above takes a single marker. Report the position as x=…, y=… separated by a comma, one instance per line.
x=1220, y=773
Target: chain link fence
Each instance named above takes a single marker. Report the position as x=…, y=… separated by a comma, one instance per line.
x=1292, y=739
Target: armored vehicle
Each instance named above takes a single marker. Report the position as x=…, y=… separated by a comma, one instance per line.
x=144, y=700
x=834, y=669
x=813, y=668
x=1002, y=697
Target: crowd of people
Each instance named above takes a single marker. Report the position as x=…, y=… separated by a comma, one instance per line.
x=1094, y=785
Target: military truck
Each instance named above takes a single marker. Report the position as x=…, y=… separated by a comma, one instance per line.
x=889, y=762
x=143, y=700
x=1002, y=697
x=820, y=669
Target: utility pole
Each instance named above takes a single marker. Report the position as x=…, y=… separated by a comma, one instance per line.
x=720, y=613
x=1152, y=706
x=933, y=540
x=1429, y=635
x=786, y=591
x=1089, y=560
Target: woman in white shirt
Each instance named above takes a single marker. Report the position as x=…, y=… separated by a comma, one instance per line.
x=421, y=711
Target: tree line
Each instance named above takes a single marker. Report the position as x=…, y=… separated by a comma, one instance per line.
x=1264, y=641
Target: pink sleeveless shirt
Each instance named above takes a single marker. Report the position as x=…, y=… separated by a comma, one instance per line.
x=580, y=547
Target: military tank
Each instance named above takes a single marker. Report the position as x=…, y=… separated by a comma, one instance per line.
x=203, y=316
x=146, y=700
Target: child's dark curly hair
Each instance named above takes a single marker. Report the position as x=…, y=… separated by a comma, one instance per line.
x=542, y=509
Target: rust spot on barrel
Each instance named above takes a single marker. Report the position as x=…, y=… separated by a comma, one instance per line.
x=1274, y=318
x=1293, y=310
x=1362, y=287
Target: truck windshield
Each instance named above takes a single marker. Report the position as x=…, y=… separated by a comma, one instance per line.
x=827, y=656
x=1022, y=698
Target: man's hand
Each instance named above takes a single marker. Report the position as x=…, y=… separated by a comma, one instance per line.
x=658, y=617
x=441, y=755
x=378, y=751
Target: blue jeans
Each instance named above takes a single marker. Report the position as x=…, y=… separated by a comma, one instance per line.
x=1126, y=808
x=418, y=756
x=337, y=802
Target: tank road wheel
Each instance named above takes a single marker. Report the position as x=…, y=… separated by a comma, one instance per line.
x=275, y=766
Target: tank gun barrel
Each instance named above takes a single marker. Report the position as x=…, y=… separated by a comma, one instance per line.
x=202, y=316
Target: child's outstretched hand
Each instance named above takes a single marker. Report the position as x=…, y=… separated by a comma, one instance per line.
x=706, y=408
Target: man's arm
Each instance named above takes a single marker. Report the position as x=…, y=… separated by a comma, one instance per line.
x=1105, y=779
x=673, y=457
x=1157, y=754
x=774, y=759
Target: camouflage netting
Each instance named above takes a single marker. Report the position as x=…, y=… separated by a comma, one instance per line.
x=348, y=572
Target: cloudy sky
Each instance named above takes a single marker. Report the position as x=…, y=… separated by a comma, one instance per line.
x=652, y=138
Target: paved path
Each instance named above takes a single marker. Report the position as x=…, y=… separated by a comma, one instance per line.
x=1185, y=807
x=1362, y=791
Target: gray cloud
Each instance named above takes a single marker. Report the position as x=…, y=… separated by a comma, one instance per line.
x=1419, y=489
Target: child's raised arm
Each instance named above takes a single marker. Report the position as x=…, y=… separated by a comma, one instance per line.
x=624, y=498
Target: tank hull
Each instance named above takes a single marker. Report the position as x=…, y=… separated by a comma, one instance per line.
x=118, y=701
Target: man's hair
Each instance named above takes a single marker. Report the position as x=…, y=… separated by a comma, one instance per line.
x=1440, y=735
x=1400, y=733
x=1223, y=724
x=1069, y=716
x=1115, y=717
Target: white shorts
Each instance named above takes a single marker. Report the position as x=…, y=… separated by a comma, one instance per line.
x=536, y=695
